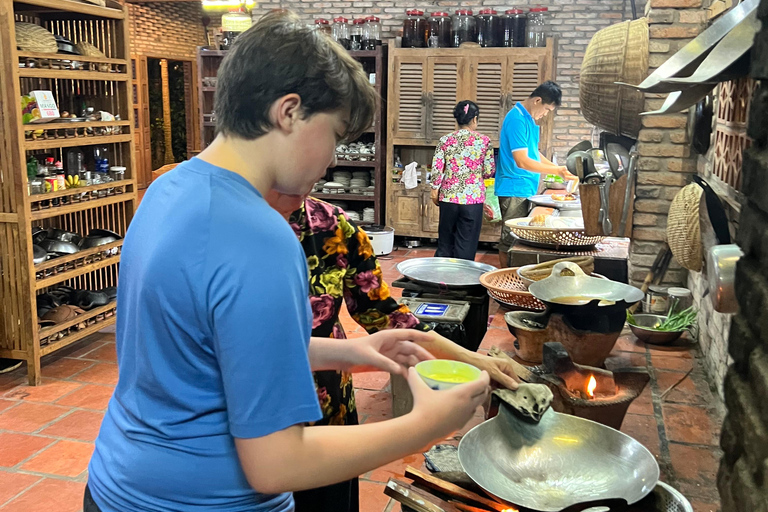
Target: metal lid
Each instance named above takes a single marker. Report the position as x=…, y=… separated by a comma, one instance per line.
x=488, y=11
x=679, y=292
x=539, y=9
x=657, y=288
x=514, y=11
x=464, y=12
x=414, y=12
x=358, y=21
x=372, y=19
x=321, y=21
x=439, y=14
x=340, y=19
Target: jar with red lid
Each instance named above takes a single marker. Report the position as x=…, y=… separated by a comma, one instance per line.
x=439, y=30
x=513, y=28
x=323, y=26
x=489, y=29
x=341, y=31
x=536, y=36
x=371, y=33
x=464, y=28
x=356, y=34
x=414, y=29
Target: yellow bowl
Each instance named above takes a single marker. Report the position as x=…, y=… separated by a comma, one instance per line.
x=441, y=374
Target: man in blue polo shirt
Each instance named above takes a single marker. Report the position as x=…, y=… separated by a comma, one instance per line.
x=520, y=162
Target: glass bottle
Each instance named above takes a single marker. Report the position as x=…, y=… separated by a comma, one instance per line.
x=340, y=31
x=356, y=34
x=536, y=36
x=323, y=26
x=439, y=30
x=371, y=33
x=414, y=29
x=514, y=25
x=489, y=29
x=464, y=28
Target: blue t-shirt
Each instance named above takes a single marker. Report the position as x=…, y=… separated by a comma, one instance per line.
x=212, y=338
x=519, y=131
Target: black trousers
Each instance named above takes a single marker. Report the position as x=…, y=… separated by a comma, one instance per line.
x=88, y=504
x=459, y=230
x=342, y=497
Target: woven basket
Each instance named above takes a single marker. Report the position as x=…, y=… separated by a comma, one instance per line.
x=553, y=237
x=684, y=227
x=88, y=50
x=506, y=286
x=618, y=53
x=34, y=38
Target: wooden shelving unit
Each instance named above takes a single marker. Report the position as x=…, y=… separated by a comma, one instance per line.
x=424, y=87
x=101, y=82
x=374, y=62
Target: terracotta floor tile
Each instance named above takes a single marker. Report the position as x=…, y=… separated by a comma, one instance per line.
x=50, y=495
x=15, y=448
x=372, y=497
x=14, y=484
x=643, y=404
x=28, y=417
x=80, y=425
x=102, y=373
x=628, y=343
x=700, y=506
x=65, y=458
x=500, y=338
x=395, y=469
x=65, y=367
x=49, y=390
x=82, y=348
x=11, y=380
x=371, y=380
x=618, y=360
x=373, y=406
x=684, y=349
x=498, y=320
x=90, y=396
x=689, y=424
x=692, y=390
x=5, y=404
x=644, y=429
x=671, y=362
x=695, y=464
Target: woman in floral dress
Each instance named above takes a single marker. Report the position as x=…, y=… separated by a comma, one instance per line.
x=343, y=269
x=463, y=160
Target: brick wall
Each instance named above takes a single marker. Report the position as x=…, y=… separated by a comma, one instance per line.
x=172, y=29
x=665, y=163
x=742, y=480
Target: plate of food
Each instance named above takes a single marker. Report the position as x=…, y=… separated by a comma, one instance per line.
x=566, y=201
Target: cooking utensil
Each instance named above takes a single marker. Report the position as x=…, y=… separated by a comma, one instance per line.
x=616, y=153
x=553, y=290
x=631, y=169
x=593, y=179
x=559, y=462
x=39, y=254
x=38, y=234
x=681, y=100
x=95, y=241
x=645, y=332
x=555, y=237
x=584, y=145
x=66, y=46
x=588, y=159
x=657, y=271
x=700, y=125
x=721, y=274
x=59, y=246
x=64, y=236
x=605, y=204
x=448, y=272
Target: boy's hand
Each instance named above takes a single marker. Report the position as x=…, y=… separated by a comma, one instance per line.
x=391, y=350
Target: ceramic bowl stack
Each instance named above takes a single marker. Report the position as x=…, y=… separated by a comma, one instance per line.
x=354, y=216
x=319, y=185
x=368, y=215
x=343, y=177
x=359, y=183
x=333, y=187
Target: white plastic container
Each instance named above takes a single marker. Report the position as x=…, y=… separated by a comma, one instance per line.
x=382, y=239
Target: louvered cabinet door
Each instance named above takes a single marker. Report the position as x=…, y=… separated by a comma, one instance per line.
x=407, y=97
x=488, y=81
x=524, y=76
x=446, y=86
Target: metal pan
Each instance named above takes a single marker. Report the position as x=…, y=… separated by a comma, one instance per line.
x=552, y=289
x=448, y=272
x=560, y=462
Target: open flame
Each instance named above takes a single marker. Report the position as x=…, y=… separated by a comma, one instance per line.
x=510, y=510
x=591, y=385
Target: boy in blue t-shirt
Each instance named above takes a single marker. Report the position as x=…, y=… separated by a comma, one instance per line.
x=213, y=331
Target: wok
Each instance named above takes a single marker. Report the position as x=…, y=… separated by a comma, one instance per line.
x=59, y=246
x=39, y=254
x=64, y=236
x=95, y=241
x=559, y=462
x=552, y=290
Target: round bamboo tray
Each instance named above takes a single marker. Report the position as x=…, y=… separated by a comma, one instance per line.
x=684, y=227
x=551, y=237
x=34, y=38
x=618, y=53
x=505, y=286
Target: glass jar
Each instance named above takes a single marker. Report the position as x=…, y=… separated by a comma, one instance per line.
x=371, y=33
x=323, y=26
x=513, y=26
x=439, y=30
x=414, y=29
x=536, y=36
x=464, y=28
x=489, y=29
x=356, y=34
x=340, y=31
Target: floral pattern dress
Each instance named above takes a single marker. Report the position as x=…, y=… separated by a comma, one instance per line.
x=463, y=159
x=342, y=268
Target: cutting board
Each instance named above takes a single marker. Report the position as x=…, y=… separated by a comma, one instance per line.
x=590, y=207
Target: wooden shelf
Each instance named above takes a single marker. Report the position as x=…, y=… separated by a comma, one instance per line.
x=77, y=336
x=72, y=142
x=72, y=74
x=344, y=197
x=78, y=271
x=355, y=163
x=360, y=54
x=79, y=190
x=55, y=211
x=66, y=56
x=73, y=6
x=70, y=258
x=69, y=125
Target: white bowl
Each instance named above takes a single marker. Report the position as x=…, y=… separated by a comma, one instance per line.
x=442, y=374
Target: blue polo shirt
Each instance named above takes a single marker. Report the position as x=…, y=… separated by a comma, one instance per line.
x=213, y=327
x=519, y=131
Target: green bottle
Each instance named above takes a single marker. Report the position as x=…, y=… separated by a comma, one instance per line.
x=31, y=167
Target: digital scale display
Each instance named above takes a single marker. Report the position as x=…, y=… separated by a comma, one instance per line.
x=427, y=309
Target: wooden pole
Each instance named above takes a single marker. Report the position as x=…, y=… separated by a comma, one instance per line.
x=166, y=112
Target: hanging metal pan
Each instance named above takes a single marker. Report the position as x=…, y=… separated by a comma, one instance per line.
x=681, y=100
x=448, y=272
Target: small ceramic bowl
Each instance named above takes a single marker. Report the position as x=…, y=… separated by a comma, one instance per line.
x=442, y=374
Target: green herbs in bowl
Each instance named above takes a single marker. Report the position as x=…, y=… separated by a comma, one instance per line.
x=659, y=329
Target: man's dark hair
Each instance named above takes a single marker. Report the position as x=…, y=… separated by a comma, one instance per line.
x=465, y=112
x=281, y=55
x=549, y=92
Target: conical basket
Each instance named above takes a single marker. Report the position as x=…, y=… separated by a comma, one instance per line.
x=618, y=53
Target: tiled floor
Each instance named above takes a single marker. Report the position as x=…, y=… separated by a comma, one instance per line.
x=46, y=433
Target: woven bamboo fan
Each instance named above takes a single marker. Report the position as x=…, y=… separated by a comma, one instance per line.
x=34, y=38
x=684, y=227
x=618, y=53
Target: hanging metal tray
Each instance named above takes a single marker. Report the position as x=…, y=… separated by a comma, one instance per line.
x=448, y=272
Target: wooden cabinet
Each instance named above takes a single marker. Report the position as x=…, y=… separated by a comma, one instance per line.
x=425, y=85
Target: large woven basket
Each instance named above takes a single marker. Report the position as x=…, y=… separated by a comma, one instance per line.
x=618, y=53
x=684, y=227
x=34, y=38
x=551, y=237
x=506, y=286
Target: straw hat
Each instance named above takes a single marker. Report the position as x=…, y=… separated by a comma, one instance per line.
x=684, y=227
x=34, y=38
x=618, y=53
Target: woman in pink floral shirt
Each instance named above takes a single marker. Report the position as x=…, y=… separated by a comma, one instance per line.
x=463, y=159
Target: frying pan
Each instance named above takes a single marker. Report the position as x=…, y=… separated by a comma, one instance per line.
x=616, y=153
x=39, y=254
x=59, y=246
x=562, y=461
x=584, y=145
x=555, y=287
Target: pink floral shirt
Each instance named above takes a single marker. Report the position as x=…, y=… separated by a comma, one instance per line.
x=463, y=159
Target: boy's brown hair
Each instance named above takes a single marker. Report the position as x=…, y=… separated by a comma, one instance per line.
x=281, y=55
